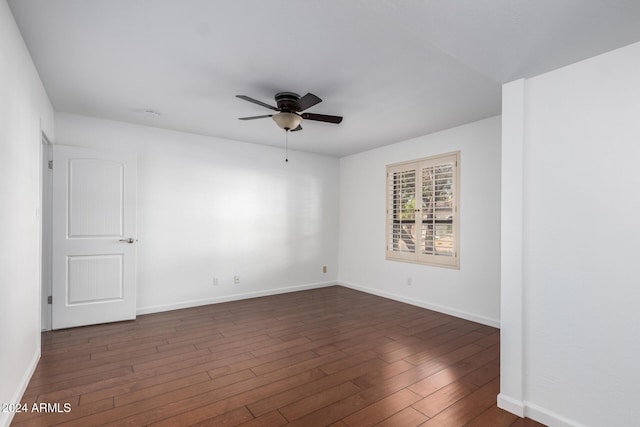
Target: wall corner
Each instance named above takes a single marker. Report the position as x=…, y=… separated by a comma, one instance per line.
x=511, y=247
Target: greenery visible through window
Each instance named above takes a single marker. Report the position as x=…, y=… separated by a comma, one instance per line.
x=422, y=211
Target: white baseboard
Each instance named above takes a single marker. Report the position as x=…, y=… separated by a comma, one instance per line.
x=7, y=417
x=547, y=417
x=233, y=297
x=535, y=412
x=429, y=306
x=511, y=405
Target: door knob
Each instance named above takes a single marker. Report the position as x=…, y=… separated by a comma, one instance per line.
x=129, y=240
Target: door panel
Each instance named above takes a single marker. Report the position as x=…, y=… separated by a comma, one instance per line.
x=94, y=230
x=96, y=204
x=94, y=278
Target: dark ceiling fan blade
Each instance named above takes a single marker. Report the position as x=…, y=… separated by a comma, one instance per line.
x=321, y=118
x=308, y=101
x=255, y=117
x=296, y=129
x=255, y=101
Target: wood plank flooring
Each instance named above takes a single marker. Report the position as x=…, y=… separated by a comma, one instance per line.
x=330, y=356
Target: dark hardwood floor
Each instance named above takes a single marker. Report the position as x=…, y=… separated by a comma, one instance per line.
x=331, y=356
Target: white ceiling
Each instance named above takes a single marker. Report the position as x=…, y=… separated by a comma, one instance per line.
x=395, y=69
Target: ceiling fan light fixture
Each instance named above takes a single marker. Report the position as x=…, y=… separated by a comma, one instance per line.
x=287, y=121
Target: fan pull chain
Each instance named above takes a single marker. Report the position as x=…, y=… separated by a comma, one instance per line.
x=286, y=145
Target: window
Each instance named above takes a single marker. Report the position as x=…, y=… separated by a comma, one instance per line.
x=422, y=211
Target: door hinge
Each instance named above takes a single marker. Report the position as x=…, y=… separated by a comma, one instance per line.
x=50, y=299
x=50, y=163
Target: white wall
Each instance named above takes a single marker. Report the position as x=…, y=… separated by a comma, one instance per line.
x=473, y=291
x=209, y=208
x=511, y=356
x=24, y=111
x=581, y=243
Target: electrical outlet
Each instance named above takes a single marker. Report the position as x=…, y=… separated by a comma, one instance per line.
x=236, y=280
x=215, y=281
x=324, y=268
x=409, y=281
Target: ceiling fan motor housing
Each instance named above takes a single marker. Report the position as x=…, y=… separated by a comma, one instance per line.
x=287, y=101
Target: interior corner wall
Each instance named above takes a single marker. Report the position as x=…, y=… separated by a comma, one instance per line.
x=473, y=291
x=511, y=356
x=580, y=233
x=25, y=112
x=213, y=208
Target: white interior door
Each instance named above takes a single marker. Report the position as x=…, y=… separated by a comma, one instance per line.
x=94, y=236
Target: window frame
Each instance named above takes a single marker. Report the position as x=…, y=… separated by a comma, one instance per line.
x=395, y=253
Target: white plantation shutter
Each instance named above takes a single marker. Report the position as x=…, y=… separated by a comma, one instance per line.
x=422, y=211
x=401, y=214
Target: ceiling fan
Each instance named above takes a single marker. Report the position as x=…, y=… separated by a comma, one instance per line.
x=290, y=107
